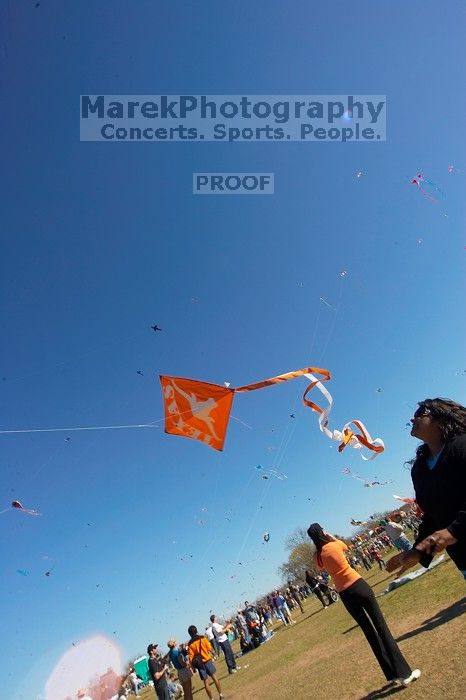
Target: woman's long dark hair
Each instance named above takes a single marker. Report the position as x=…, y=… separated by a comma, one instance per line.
x=449, y=416
x=319, y=538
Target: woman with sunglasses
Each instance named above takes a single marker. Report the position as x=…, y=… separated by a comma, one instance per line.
x=359, y=600
x=439, y=478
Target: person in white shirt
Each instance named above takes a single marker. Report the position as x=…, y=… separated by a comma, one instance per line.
x=396, y=533
x=221, y=635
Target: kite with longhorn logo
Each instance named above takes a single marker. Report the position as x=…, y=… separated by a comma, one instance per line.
x=201, y=411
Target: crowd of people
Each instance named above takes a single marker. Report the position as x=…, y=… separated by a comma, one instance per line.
x=439, y=479
x=171, y=674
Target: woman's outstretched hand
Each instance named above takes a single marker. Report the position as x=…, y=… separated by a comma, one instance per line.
x=403, y=561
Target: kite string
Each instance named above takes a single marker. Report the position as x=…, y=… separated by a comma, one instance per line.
x=287, y=434
x=74, y=429
x=333, y=324
x=280, y=455
x=152, y=424
x=253, y=519
x=218, y=532
x=48, y=461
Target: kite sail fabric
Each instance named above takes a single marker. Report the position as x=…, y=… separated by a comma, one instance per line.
x=201, y=411
x=197, y=410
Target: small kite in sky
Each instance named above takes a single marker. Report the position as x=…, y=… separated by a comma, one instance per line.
x=271, y=472
x=343, y=273
x=140, y=372
x=266, y=537
x=156, y=328
x=427, y=188
x=452, y=169
x=19, y=506
x=23, y=572
x=291, y=415
x=368, y=483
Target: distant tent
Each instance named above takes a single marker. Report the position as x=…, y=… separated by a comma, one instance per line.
x=142, y=669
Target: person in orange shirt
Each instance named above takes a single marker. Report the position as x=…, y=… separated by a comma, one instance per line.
x=359, y=600
x=200, y=659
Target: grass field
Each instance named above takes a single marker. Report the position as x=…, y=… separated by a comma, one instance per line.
x=325, y=656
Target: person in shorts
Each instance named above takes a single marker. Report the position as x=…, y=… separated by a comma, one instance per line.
x=200, y=649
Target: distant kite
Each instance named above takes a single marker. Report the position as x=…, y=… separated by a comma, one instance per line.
x=271, y=472
x=368, y=483
x=427, y=188
x=156, y=328
x=19, y=506
x=266, y=537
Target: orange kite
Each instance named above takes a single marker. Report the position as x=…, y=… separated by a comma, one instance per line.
x=201, y=411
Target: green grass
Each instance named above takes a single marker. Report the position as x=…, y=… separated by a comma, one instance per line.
x=325, y=655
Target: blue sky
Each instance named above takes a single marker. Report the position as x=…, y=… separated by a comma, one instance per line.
x=101, y=240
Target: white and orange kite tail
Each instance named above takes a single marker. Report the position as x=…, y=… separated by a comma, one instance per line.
x=346, y=436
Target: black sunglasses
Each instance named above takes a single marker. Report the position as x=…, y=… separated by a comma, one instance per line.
x=422, y=411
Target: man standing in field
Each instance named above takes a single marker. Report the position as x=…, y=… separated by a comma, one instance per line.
x=221, y=635
x=158, y=669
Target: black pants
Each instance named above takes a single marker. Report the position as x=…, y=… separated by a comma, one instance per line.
x=317, y=592
x=228, y=653
x=360, y=602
